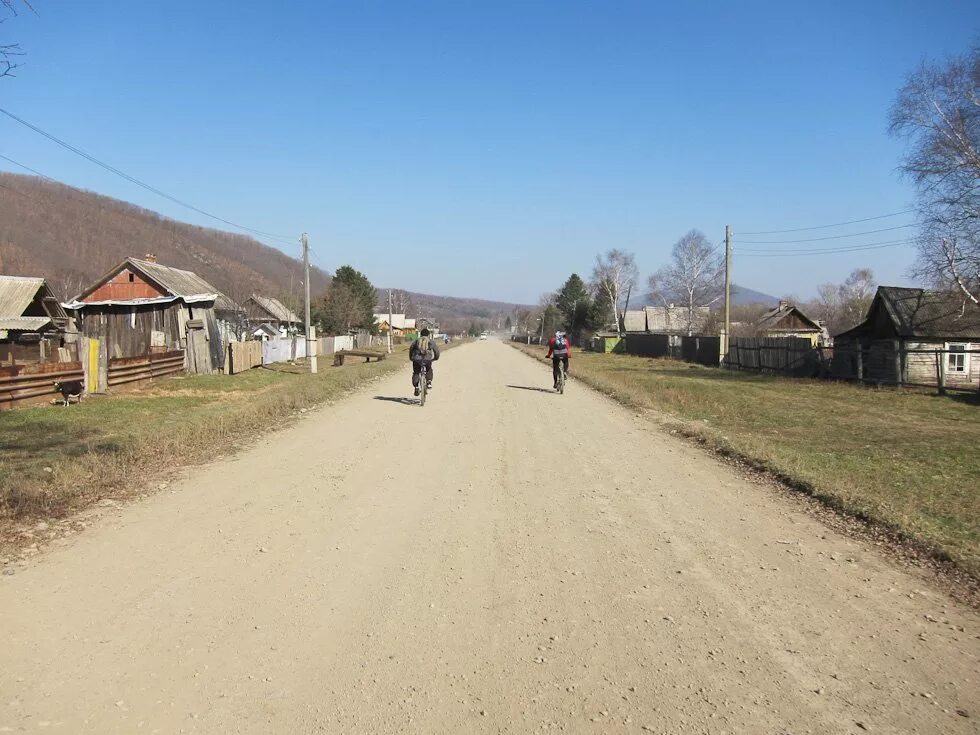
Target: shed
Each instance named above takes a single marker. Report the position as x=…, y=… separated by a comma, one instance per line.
x=141, y=307
x=33, y=325
x=788, y=320
x=912, y=335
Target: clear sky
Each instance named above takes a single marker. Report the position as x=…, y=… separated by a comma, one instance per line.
x=490, y=149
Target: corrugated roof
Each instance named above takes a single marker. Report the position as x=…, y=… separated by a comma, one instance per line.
x=24, y=323
x=920, y=313
x=276, y=308
x=16, y=294
x=183, y=283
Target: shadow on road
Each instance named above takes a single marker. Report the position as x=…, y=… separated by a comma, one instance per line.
x=528, y=387
x=398, y=399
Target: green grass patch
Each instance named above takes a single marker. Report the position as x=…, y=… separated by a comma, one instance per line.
x=907, y=460
x=54, y=460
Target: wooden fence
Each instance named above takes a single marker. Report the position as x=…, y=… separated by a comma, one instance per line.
x=243, y=356
x=127, y=372
x=28, y=385
x=781, y=355
x=699, y=349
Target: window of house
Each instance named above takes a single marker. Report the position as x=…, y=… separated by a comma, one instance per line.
x=957, y=359
x=132, y=278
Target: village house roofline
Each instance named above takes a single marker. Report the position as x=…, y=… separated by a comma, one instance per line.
x=275, y=309
x=179, y=284
x=916, y=313
x=777, y=314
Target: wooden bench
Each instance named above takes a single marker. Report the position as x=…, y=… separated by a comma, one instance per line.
x=338, y=357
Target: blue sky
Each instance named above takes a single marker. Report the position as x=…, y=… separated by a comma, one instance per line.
x=490, y=149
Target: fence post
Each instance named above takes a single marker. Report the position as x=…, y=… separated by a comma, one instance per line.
x=899, y=378
x=940, y=374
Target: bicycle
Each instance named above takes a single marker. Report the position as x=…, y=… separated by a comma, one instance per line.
x=423, y=385
x=562, y=377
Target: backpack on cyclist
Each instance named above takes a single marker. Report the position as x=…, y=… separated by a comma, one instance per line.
x=423, y=350
x=561, y=345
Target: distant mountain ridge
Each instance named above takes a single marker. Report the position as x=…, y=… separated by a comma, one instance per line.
x=451, y=312
x=742, y=296
x=71, y=237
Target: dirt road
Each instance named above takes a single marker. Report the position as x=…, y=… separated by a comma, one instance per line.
x=504, y=560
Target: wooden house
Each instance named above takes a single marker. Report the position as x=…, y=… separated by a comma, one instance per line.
x=140, y=307
x=400, y=324
x=264, y=310
x=788, y=320
x=913, y=336
x=33, y=324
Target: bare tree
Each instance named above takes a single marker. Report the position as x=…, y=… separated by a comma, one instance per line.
x=9, y=52
x=938, y=113
x=694, y=278
x=845, y=305
x=614, y=277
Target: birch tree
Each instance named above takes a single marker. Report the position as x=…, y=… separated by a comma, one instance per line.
x=694, y=278
x=938, y=113
x=613, y=278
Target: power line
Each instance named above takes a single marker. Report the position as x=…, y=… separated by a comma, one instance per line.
x=134, y=180
x=827, y=249
x=824, y=227
x=829, y=237
x=800, y=253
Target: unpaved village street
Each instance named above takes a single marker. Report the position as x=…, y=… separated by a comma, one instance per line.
x=504, y=560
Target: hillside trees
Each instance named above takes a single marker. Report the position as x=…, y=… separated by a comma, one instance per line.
x=938, y=113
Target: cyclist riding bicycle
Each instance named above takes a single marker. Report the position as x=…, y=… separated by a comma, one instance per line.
x=423, y=352
x=559, y=350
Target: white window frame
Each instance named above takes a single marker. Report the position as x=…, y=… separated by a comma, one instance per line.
x=953, y=348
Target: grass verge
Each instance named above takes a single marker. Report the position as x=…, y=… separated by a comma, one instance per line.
x=904, y=460
x=54, y=461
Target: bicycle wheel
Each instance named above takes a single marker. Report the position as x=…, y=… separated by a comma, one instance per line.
x=422, y=391
x=561, y=382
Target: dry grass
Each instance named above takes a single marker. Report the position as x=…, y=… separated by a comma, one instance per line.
x=906, y=460
x=57, y=460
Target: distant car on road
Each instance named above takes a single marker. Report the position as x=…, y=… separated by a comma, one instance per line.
x=484, y=335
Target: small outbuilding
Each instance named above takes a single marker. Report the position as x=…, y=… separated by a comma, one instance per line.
x=33, y=324
x=913, y=336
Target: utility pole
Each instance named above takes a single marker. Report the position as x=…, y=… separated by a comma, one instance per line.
x=391, y=318
x=728, y=292
x=310, y=340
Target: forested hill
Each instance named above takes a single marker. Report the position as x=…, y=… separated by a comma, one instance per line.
x=71, y=237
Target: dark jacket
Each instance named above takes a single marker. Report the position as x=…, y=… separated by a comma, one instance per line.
x=415, y=354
